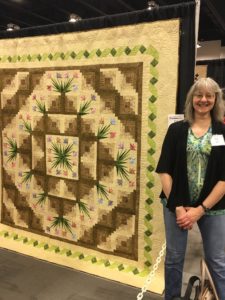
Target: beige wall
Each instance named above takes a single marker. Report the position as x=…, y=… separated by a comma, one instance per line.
x=210, y=50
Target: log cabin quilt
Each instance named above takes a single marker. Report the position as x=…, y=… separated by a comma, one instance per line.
x=83, y=116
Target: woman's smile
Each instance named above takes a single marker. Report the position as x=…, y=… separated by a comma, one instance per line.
x=203, y=102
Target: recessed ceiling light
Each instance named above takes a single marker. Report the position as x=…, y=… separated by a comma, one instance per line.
x=152, y=5
x=74, y=18
x=11, y=27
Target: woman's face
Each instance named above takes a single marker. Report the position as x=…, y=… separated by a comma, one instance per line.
x=203, y=101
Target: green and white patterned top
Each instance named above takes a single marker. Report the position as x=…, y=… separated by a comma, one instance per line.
x=198, y=151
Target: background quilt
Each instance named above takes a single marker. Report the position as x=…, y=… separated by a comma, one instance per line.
x=83, y=116
x=200, y=71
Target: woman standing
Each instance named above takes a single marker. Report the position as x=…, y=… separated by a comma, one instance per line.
x=192, y=173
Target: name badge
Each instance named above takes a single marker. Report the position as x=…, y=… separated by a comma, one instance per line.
x=217, y=140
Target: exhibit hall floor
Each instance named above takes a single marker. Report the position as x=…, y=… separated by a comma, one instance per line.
x=26, y=278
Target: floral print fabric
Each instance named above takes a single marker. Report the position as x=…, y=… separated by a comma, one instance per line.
x=198, y=151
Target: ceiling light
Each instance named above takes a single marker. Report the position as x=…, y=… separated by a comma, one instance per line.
x=152, y=5
x=198, y=45
x=74, y=18
x=11, y=27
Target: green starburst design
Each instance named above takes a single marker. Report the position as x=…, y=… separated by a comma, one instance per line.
x=103, y=132
x=13, y=150
x=62, y=222
x=62, y=156
x=27, y=125
x=41, y=198
x=101, y=190
x=41, y=107
x=83, y=208
x=121, y=161
x=61, y=86
x=84, y=108
x=27, y=176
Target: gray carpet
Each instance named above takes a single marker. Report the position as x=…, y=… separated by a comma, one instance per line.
x=26, y=278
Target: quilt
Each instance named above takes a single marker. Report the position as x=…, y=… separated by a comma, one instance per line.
x=83, y=116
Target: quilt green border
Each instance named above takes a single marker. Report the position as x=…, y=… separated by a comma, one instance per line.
x=150, y=139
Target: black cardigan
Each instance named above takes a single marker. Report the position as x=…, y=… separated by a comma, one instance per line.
x=173, y=160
